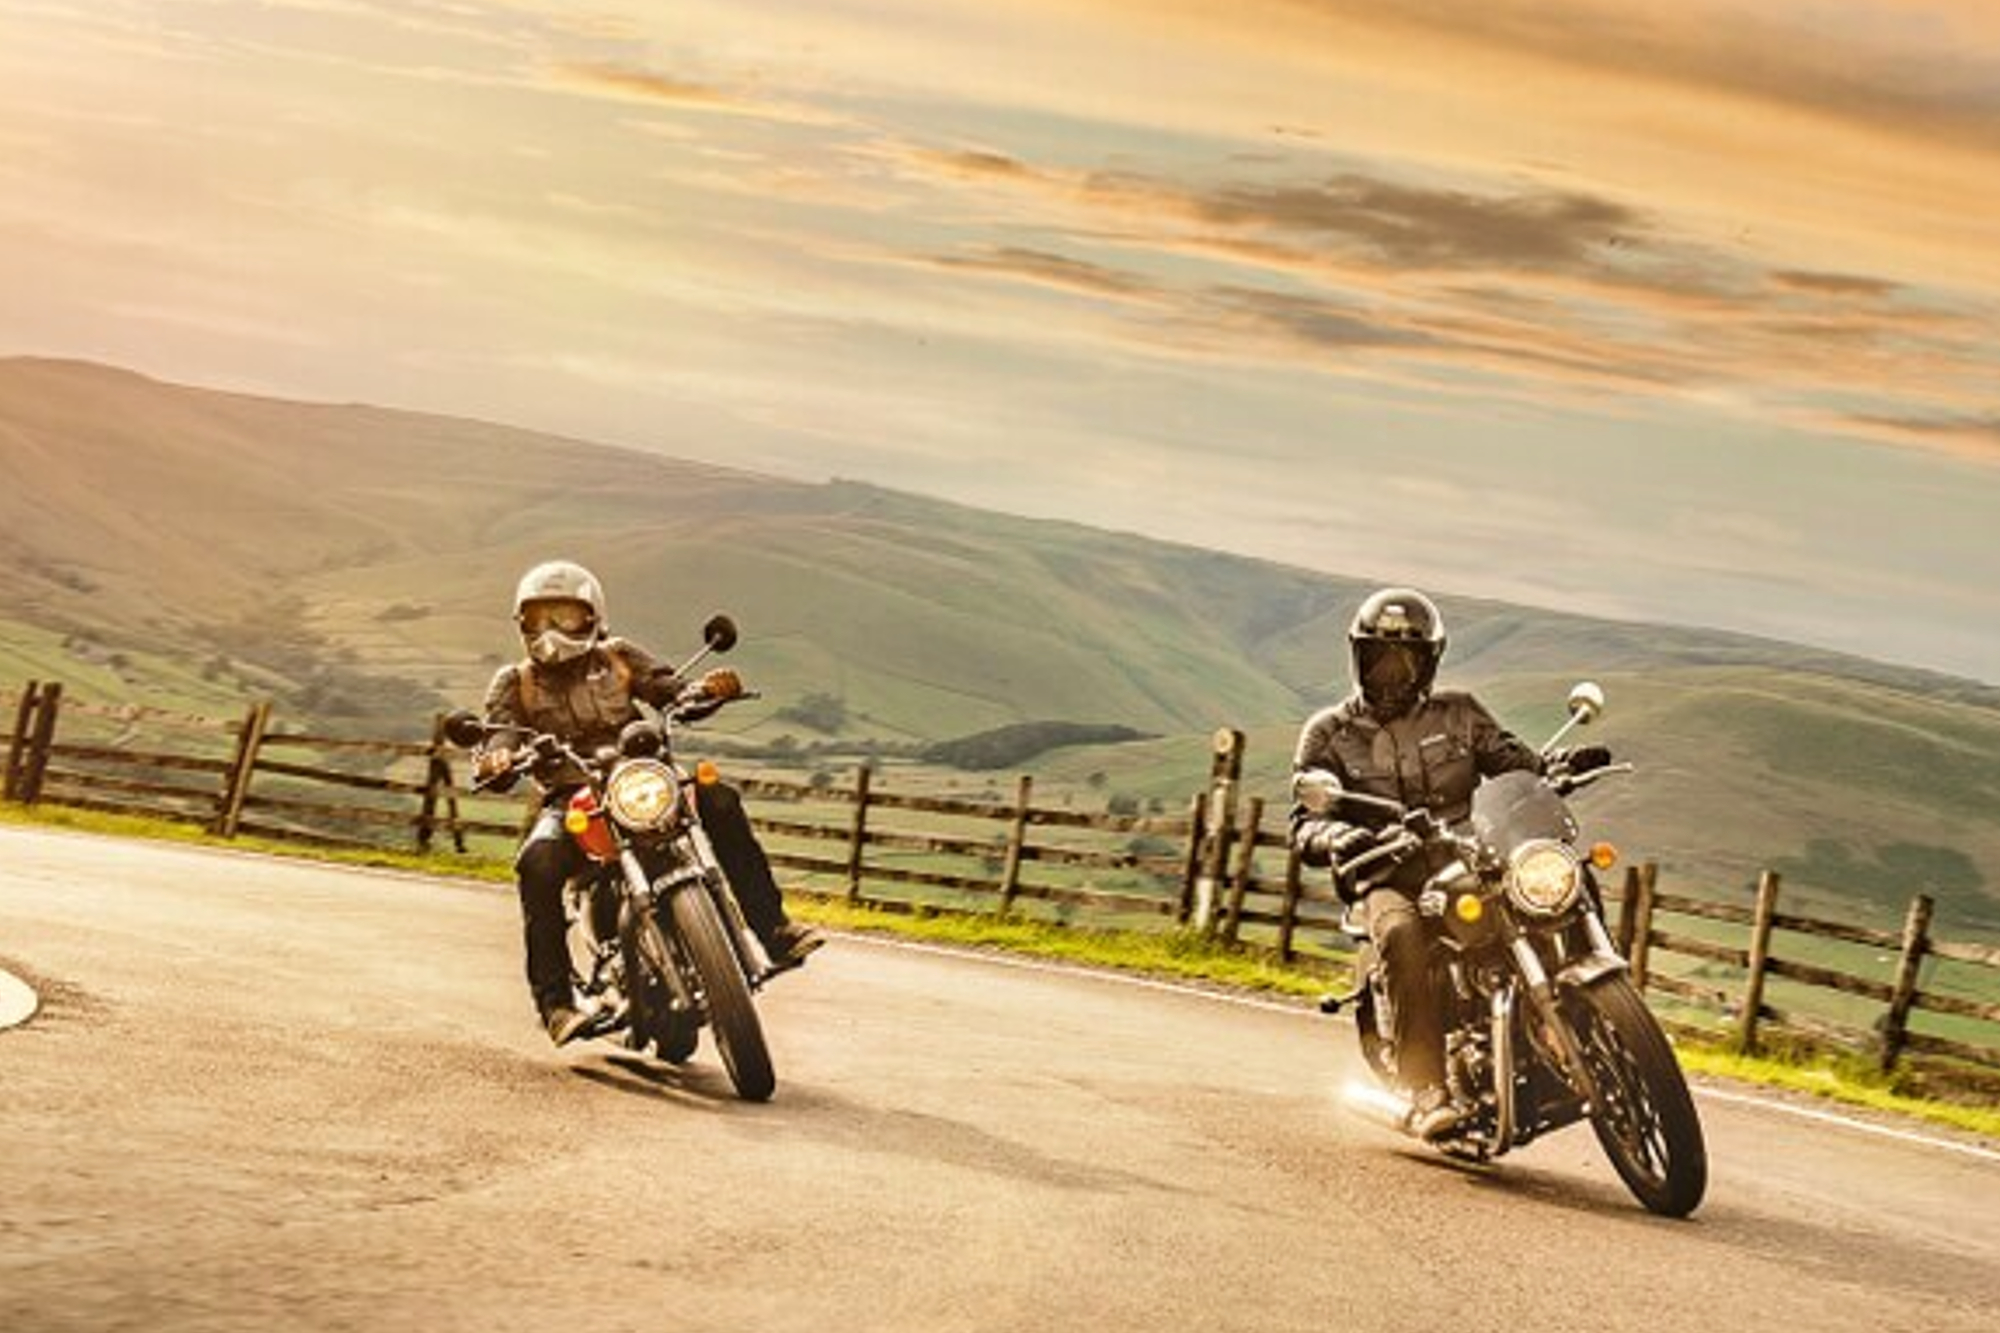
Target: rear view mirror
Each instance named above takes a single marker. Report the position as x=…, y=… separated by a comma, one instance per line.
x=1586, y=702
x=719, y=633
x=464, y=728
x=1316, y=790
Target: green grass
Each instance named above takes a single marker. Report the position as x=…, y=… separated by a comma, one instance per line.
x=1180, y=955
x=1845, y=1078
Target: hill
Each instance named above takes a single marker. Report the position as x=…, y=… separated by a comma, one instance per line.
x=192, y=547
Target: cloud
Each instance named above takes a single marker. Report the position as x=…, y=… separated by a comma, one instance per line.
x=1414, y=227
x=1927, y=70
x=1050, y=269
x=641, y=85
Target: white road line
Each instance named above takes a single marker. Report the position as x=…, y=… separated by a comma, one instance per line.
x=1847, y=1122
x=1304, y=1011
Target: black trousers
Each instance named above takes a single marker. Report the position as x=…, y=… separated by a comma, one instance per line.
x=1416, y=1027
x=549, y=857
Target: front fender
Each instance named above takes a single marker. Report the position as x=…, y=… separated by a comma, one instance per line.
x=1589, y=970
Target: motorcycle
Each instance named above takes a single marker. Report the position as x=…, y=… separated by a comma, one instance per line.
x=659, y=947
x=1543, y=1024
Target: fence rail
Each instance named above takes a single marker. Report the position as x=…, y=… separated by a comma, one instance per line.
x=1742, y=969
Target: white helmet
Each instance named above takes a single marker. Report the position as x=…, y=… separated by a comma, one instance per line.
x=559, y=606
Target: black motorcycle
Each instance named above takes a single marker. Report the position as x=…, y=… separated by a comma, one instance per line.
x=658, y=943
x=1543, y=1024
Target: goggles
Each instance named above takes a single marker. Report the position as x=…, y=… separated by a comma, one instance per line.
x=562, y=617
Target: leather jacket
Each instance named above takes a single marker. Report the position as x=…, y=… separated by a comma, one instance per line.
x=585, y=702
x=1433, y=756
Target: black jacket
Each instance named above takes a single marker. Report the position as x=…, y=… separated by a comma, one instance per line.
x=1433, y=756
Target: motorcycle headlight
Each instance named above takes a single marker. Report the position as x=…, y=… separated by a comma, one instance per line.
x=1544, y=878
x=643, y=795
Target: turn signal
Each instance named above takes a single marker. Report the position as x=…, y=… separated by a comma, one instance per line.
x=576, y=821
x=1603, y=855
x=706, y=773
x=1468, y=908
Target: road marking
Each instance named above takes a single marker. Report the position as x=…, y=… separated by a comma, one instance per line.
x=1306, y=1011
x=17, y=1001
x=1848, y=1122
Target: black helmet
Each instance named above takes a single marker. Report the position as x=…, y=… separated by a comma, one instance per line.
x=559, y=606
x=1397, y=638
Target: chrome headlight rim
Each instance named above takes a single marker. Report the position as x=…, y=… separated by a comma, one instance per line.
x=643, y=795
x=1544, y=877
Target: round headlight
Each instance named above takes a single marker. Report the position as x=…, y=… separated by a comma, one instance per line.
x=1544, y=877
x=643, y=794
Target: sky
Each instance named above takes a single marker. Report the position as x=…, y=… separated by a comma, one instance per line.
x=1677, y=310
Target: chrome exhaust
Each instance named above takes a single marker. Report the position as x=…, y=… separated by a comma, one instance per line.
x=1377, y=1104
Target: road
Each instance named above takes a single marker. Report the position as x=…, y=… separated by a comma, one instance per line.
x=264, y=1094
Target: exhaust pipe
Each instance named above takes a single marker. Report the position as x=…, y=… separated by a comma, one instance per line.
x=1376, y=1104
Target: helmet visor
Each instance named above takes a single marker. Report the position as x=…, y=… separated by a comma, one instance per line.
x=1393, y=673
x=1389, y=665
x=564, y=617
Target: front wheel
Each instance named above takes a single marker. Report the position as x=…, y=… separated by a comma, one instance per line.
x=1643, y=1113
x=738, y=1033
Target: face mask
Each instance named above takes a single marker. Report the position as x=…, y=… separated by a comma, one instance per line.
x=552, y=646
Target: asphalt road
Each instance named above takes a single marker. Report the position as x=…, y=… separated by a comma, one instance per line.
x=263, y=1095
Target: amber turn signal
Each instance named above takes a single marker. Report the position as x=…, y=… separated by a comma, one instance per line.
x=1468, y=908
x=1603, y=855
x=706, y=773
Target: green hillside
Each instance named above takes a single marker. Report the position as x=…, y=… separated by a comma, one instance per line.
x=195, y=549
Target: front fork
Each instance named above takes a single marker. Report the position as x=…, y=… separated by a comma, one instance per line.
x=1544, y=995
x=645, y=926
x=697, y=867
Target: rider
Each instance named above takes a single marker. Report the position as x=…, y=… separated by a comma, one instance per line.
x=577, y=683
x=1394, y=737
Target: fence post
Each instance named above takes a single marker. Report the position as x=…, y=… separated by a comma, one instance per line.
x=1760, y=954
x=1916, y=943
x=1246, y=852
x=1191, y=866
x=1017, y=838
x=1628, y=912
x=1642, y=923
x=236, y=783
x=17, y=740
x=36, y=762
x=1225, y=772
x=857, y=834
x=1288, y=915
x=437, y=783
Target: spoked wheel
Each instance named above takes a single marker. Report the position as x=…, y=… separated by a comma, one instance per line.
x=1643, y=1114
x=738, y=1033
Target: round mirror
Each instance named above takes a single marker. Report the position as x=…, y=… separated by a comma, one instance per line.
x=719, y=633
x=1316, y=790
x=1586, y=701
x=464, y=728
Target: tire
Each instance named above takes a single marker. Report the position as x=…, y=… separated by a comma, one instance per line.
x=1367, y=1024
x=738, y=1033
x=1643, y=1113
x=654, y=1022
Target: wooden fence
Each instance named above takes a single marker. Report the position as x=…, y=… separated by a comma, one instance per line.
x=1223, y=866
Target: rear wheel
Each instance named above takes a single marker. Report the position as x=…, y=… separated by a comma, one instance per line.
x=1643, y=1113
x=738, y=1033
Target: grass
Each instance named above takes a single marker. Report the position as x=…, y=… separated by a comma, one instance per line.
x=1845, y=1078
x=1180, y=955
x=1185, y=956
